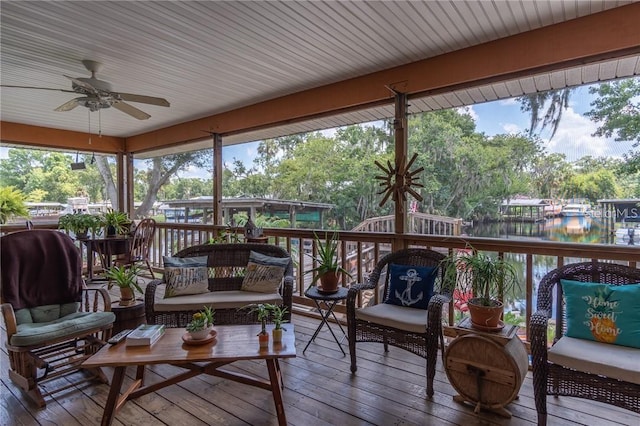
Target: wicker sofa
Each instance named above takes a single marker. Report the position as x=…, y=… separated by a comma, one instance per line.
x=227, y=265
x=578, y=367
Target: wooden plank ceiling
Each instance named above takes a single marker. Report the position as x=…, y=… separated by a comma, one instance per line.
x=210, y=58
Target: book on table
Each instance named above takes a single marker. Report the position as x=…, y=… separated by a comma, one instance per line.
x=145, y=335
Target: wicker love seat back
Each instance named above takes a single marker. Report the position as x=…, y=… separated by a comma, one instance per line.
x=227, y=265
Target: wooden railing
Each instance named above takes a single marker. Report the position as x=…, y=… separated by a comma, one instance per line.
x=361, y=250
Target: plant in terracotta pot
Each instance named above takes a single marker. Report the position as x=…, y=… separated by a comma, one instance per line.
x=328, y=267
x=277, y=316
x=127, y=279
x=263, y=315
x=201, y=323
x=115, y=222
x=487, y=278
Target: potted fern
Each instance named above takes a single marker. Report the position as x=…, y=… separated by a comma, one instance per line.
x=328, y=267
x=487, y=279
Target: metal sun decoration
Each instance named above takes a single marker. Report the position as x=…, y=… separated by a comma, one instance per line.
x=404, y=180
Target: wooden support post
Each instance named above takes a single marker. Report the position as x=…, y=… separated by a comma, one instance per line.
x=217, y=179
x=401, y=148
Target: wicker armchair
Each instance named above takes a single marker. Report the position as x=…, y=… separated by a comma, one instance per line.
x=362, y=328
x=227, y=264
x=550, y=378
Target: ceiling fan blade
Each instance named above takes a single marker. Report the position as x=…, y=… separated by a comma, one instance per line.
x=144, y=99
x=131, y=110
x=39, y=88
x=68, y=106
x=82, y=84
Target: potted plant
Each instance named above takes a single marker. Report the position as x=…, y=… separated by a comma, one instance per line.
x=487, y=279
x=263, y=315
x=201, y=323
x=277, y=314
x=127, y=279
x=115, y=222
x=11, y=204
x=79, y=223
x=328, y=268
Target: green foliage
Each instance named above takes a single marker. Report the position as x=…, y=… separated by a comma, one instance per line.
x=327, y=257
x=11, y=204
x=202, y=319
x=124, y=277
x=617, y=109
x=277, y=315
x=487, y=278
x=118, y=220
x=79, y=223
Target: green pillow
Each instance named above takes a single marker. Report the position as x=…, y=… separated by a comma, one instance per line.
x=602, y=312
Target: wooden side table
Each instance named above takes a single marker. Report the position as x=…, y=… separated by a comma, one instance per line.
x=127, y=317
x=486, y=369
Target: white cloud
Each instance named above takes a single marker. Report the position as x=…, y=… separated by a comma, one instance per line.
x=509, y=101
x=469, y=111
x=573, y=138
x=511, y=128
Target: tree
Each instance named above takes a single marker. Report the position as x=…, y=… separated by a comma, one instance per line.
x=161, y=171
x=618, y=110
x=555, y=102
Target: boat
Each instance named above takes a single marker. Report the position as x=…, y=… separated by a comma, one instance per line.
x=569, y=210
x=629, y=235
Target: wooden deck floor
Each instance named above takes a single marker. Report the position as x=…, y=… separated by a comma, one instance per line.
x=388, y=389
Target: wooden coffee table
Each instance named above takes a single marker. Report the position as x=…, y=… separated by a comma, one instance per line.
x=232, y=343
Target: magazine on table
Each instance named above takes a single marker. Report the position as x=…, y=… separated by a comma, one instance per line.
x=145, y=334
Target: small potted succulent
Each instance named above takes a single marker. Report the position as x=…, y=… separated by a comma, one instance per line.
x=201, y=323
x=263, y=315
x=277, y=313
x=126, y=278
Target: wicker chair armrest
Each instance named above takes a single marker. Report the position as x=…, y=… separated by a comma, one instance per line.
x=94, y=299
x=434, y=310
x=538, y=326
x=150, y=298
x=9, y=320
x=287, y=296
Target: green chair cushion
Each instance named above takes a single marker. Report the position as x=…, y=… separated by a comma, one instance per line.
x=38, y=333
x=45, y=313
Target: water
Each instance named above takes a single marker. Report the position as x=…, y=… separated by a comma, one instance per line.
x=577, y=229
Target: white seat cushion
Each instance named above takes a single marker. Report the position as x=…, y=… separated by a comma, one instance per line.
x=613, y=361
x=232, y=299
x=403, y=318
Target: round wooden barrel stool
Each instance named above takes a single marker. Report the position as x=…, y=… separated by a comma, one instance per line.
x=127, y=317
x=486, y=372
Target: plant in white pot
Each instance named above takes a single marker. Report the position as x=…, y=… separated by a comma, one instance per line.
x=201, y=323
x=487, y=279
x=328, y=267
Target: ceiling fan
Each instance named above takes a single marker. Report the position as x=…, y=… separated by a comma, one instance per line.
x=97, y=94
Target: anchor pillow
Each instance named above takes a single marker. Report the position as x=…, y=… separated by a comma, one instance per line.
x=411, y=286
